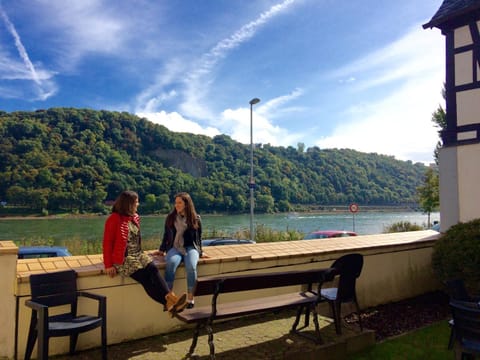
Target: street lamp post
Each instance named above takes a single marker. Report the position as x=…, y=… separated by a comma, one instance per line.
x=252, y=181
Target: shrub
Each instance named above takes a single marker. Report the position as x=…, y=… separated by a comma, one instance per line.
x=457, y=254
x=265, y=234
x=402, y=226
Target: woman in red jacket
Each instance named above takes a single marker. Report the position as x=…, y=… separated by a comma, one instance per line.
x=122, y=253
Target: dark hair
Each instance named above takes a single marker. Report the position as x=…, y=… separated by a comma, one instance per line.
x=125, y=203
x=190, y=213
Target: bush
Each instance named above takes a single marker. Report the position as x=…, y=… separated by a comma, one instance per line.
x=457, y=255
x=402, y=226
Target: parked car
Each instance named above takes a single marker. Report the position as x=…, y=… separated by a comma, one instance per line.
x=226, y=241
x=324, y=234
x=31, y=252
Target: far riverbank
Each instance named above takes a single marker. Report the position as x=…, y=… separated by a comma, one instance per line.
x=7, y=213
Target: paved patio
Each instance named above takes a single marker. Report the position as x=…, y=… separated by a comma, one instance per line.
x=255, y=337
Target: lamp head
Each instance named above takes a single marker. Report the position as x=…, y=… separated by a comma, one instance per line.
x=254, y=101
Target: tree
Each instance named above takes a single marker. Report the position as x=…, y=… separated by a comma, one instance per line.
x=265, y=203
x=439, y=118
x=428, y=195
x=150, y=203
x=84, y=157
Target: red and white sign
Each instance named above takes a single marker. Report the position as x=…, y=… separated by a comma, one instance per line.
x=353, y=208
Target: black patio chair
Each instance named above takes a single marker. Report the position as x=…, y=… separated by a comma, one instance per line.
x=348, y=269
x=466, y=317
x=50, y=290
x=457, y=290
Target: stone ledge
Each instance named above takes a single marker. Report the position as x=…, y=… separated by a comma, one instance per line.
x=91, y=265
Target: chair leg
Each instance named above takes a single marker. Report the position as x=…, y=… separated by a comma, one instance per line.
x=450, y=341
x=338, y=318
x=42, y=353
x=104, y=341
x=32, y=337
x=359, y=317
x=333, y=307
x=42, y=333
x=73, y=343
x=318, y=338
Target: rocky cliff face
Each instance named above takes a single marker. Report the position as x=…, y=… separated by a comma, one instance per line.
x=182, y=161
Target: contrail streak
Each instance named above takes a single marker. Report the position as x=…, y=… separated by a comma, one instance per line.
x=21, y=49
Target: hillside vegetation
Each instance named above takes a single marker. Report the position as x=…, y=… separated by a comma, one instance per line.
x=78, y=159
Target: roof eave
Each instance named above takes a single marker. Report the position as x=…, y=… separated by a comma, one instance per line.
x=453, y=15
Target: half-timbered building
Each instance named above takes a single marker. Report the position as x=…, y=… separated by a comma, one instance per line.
x=459, y=158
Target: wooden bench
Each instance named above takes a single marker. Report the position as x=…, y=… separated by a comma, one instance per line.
x=305, y=300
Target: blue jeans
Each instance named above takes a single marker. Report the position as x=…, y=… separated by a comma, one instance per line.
x=174, y=258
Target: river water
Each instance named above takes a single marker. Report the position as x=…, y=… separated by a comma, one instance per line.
x=59, y=231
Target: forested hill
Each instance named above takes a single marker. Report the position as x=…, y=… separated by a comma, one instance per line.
x=79, y=159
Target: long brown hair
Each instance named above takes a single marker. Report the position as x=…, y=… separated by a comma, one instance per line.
x=190, y=213
x=125, y=203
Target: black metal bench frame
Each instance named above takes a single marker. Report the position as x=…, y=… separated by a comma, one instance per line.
x=305, y=301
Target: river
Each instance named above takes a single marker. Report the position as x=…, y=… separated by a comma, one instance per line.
x=58, y=231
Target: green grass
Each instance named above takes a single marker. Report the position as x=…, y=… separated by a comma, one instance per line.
x=426, y=343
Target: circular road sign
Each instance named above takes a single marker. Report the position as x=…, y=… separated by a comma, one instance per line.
x=353, y=208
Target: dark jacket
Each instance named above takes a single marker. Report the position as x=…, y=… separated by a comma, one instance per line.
x=191, y=237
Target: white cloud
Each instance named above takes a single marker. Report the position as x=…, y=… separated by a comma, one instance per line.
x=399, y=122
x=176, y=122
x=275, y=105
x=397, y=125
x=198, y=80
x=87, y=26
x=236, y=123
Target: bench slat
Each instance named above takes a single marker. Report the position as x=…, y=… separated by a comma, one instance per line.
x=207, y=285
x=246, y=307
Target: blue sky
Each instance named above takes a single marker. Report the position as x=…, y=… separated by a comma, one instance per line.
x=360, y=74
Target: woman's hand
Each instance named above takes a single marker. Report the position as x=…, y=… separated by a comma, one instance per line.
x=157, y=256
x=111, y=271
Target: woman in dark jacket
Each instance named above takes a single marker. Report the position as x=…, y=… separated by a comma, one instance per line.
x=182, y=241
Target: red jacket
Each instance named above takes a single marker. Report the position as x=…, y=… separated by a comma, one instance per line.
x=115, y=238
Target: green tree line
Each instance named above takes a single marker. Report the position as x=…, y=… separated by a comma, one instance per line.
x=80, y=159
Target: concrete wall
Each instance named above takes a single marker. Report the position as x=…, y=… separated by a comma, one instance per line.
x=396, y=266
x=8, y=283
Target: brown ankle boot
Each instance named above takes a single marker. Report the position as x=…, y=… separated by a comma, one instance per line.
x=171, y=299
x=179, y=305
